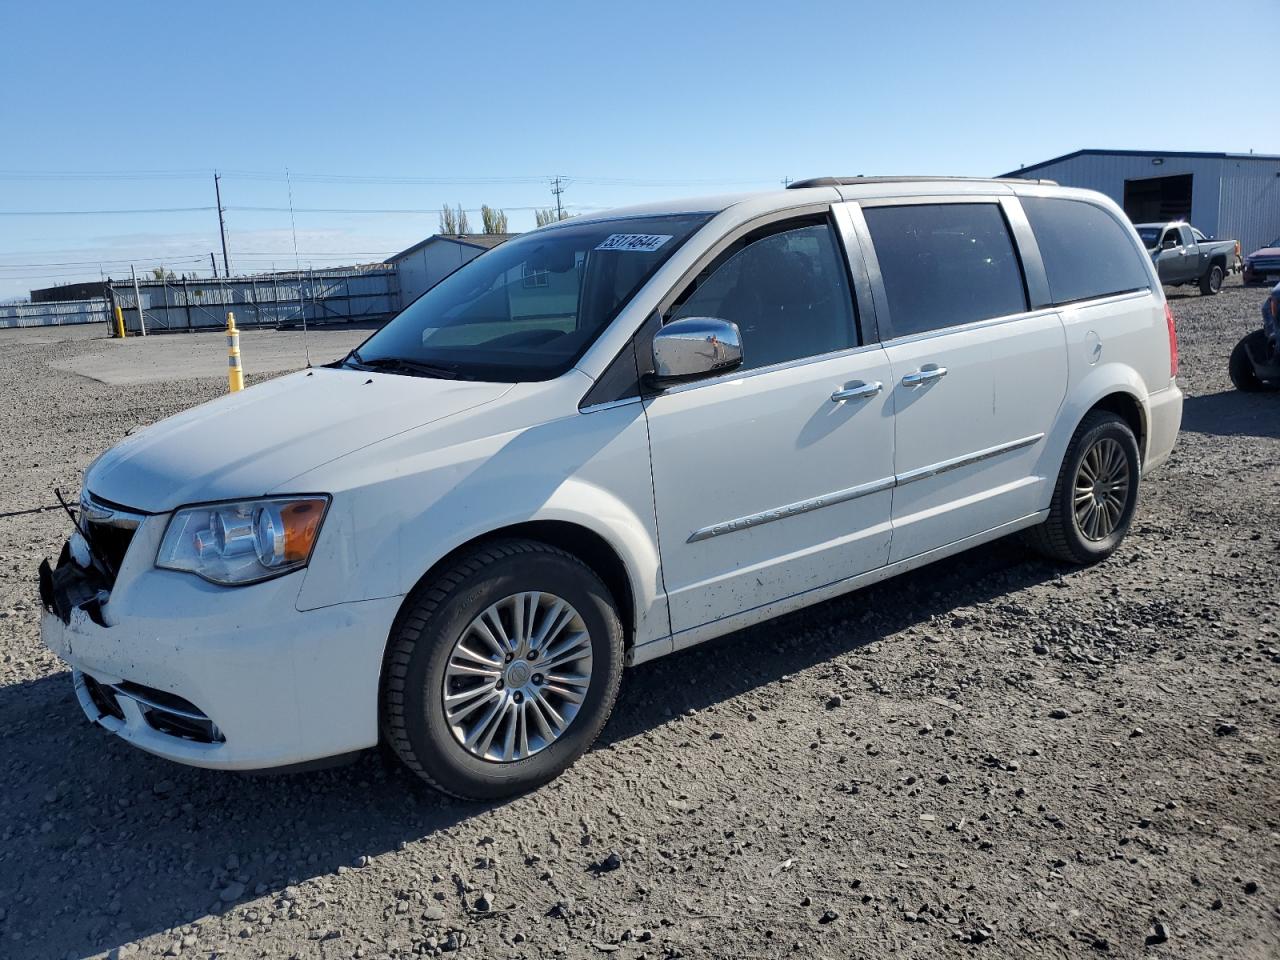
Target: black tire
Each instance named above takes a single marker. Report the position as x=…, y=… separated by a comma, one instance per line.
x=1060, y=536
x=1240, y=366
x=422, y=640
x=1211, y=282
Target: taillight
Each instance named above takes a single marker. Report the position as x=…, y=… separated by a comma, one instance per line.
x=1173, y=342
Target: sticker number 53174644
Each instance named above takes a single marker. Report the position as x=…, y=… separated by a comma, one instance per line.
x=634, y=242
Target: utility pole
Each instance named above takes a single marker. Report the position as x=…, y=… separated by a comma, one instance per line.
x=137, y=299
x=786, y=182
x=222, y=226
x=213, y=263
x=557, y=188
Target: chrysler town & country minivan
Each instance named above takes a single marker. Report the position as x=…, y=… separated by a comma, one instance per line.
x=603, y=441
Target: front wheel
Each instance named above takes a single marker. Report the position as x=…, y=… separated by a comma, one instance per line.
x=1211, y=282
x=1096, y=493
x=502, y=671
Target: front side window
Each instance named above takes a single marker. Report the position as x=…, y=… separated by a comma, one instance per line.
x=1150, y=236
x=1086, y=252
x=528, y=309
x=787, y=290
x=945, y=264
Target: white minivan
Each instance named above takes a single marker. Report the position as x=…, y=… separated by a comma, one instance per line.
x=603, y=441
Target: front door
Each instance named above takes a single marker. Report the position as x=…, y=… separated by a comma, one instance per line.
x=774, y=479
x=977, y=377
x=1173, y=261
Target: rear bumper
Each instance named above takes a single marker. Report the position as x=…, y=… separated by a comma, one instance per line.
x=231, y=678
x=1164, y=419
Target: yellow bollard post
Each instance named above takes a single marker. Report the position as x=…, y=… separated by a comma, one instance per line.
x=235, y=375
x=119, y=323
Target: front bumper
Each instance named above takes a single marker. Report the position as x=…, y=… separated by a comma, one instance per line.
x=232, y=678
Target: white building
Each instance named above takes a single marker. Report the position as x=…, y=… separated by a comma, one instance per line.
x=1230, y=196
x=422, y=266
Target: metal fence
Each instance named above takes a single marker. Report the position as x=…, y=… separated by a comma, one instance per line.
x=265, y=300
x=53, y=314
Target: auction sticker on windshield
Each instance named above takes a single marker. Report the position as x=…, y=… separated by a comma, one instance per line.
x=635, y=242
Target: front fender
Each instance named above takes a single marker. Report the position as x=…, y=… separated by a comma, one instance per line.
x=392, y=521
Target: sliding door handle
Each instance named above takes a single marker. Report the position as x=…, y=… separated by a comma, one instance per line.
x=856, y=391
x=926, y=374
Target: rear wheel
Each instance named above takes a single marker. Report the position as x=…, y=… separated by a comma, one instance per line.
x=502, y=671
x=1096, y=493
x=1211, y=282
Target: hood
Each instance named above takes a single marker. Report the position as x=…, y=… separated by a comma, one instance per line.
x=247, y=444
x=1265, y=252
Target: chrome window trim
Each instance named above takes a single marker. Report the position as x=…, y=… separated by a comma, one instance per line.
x=862, y=490
x=973, y=325
x=610, y=404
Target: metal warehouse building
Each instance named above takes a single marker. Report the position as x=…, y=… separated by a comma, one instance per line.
x=1232, y=196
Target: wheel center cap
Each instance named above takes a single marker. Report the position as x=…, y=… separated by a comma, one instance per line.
x=518, y=673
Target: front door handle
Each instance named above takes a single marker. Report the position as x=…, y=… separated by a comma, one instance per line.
x=926, y=374
x=856, y=391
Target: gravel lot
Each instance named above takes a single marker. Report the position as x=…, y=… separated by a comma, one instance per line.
x=989, y=757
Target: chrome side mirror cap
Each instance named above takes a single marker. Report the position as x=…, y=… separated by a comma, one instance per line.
x=695, y=347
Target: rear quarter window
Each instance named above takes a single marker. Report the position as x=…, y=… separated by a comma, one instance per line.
x=1086, y=253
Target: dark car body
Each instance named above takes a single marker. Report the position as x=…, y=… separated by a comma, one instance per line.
x=1263, y=265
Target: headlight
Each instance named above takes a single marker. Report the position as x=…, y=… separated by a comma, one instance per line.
x=244, y=542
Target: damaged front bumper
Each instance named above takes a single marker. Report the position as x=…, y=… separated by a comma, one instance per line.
x=230, y=678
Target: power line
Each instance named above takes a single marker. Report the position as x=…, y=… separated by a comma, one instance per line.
x=97, y=213
x=249, y=209
x=267, y=175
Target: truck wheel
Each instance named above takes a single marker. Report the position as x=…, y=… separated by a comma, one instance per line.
x=1096, y=493
x=502, y=671
x=1240, y=366
x=1211, y=282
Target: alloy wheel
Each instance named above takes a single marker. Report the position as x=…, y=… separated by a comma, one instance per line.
x=517, y=677
x=1101, y=489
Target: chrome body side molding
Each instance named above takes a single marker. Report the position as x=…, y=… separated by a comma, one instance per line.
x=852, y=493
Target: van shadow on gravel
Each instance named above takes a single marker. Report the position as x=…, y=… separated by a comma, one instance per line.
x=1233, y=414
x=102, y=845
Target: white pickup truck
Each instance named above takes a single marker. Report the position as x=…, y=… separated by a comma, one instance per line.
x=1183, y=255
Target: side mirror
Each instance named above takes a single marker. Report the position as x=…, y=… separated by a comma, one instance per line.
x=695, y=347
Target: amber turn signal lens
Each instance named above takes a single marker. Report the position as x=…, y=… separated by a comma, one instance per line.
x=301, y=526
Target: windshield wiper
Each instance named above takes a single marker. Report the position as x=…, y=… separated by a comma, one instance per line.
x=405, y=365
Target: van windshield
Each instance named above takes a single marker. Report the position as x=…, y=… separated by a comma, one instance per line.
x=528, y=309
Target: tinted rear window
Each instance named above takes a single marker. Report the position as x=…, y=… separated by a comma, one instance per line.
x=945, y=264
x=1086, y=253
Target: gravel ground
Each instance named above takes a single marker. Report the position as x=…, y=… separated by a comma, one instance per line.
x=989, y=757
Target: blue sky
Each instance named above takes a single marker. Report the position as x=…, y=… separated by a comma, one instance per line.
x=632, y=102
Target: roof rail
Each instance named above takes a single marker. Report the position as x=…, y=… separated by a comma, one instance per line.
x=853, y=181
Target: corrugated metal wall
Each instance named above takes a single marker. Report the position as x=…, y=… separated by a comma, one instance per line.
x=268, y=300
x=1107, y=173
x=1250, y=206
x=53, y=314
x=1237, y=198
